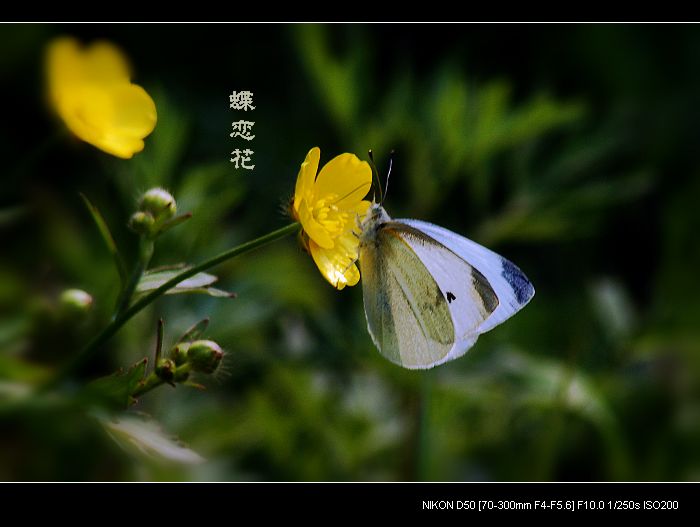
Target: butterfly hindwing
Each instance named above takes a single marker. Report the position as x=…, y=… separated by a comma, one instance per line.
x=376, y=298
x=407, y=313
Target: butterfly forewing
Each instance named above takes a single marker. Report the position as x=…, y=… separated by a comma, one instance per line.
x=429, y=293
x=469, y=296
x=511, y=286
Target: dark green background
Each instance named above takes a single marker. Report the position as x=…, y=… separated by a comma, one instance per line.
x=570, y=149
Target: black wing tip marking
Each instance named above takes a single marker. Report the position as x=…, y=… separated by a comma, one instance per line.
x=450, y=297
x=485, y=291
x=522, y=287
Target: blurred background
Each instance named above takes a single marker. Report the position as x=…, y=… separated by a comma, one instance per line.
x=569, y=149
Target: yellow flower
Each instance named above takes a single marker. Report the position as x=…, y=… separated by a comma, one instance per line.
x=330, y=208
x=91, y=91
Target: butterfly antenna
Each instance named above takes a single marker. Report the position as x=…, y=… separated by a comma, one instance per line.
x=388, y=174
x=375, y=174
x=341, y=198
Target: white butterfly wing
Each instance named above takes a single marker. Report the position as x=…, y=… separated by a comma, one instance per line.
x=424, y=303
x=407, y=314
x=510, y=284
x=470, y=299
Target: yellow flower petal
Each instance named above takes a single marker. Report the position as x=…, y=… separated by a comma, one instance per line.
x=314, y=229
x=306, y=177
x=345, y=176
x=63, y=68
x=83, y=109
x=91, y=91
x=348, y=243
x=335, y=267
x=114, y=120
x=104, y=63
x=119, y=145
x=360, y=211
x=136, y=112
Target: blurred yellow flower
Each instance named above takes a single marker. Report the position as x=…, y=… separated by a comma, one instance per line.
x=330, y=208
x=91, y=90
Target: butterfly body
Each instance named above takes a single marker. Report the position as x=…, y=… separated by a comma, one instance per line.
x=428, y=292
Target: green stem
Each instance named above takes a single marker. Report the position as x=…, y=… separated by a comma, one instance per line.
x=145, y=255
x=153, y=381
x=126, y=315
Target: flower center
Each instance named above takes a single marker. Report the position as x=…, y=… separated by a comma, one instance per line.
x=329, y=216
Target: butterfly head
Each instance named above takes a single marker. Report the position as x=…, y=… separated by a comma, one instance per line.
x=376, y=216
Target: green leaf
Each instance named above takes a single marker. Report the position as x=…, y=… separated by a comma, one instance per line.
x=174, y=222
x=159, y=340
x=145, y=437
x=114, y=391
x=194, y=332
x=154, y=279
x=211, y=291
x=335, y=78
x=107, y=238
x=197, y=284
x=16, y=369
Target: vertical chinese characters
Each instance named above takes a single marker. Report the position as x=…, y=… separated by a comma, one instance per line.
x=241, y=158
x=242, y=100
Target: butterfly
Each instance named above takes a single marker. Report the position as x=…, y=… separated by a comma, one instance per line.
x=429, y=293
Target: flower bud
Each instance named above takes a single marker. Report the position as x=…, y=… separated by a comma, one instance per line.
x=181, y=375
x=204, y=356
x=179, y=353
x=165, y=370
x=141, y=222
x=75, y=301
x=159, y=203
